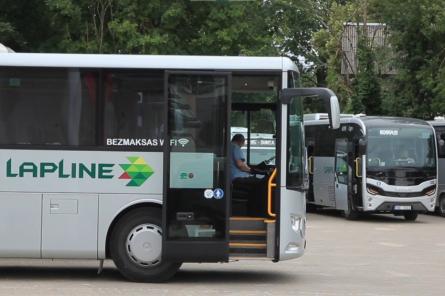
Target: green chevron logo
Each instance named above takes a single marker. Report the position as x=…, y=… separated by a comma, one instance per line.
x=138, y=171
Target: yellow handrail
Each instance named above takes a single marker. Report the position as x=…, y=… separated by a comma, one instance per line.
x=310, y=164
x=270, y=186
x=357, y=167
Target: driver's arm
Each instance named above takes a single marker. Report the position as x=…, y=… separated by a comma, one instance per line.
x=242, y=166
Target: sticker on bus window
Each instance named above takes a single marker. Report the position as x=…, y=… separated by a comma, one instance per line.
x=388, y=132
x=208, y=193
x=218, y=193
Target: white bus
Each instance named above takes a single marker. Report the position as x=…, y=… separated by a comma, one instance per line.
x=439, y=127
x=372, y=165
x=85, y=173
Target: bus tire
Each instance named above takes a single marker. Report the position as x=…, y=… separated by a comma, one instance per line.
x=410, y=216
x=136, y=247
x=441, y=207
x=350, y=213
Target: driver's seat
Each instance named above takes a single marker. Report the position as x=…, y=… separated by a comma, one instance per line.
x=240, y=200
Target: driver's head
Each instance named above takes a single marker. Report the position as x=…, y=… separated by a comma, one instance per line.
x=239, y=140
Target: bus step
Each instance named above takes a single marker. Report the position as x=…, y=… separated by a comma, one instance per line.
x=248, y=248
x=248, y=235
x=248, y=245
x=239, y=256
x=247, y=223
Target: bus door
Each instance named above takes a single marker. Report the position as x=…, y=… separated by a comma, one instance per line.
x=196, y=167
x=343, y=173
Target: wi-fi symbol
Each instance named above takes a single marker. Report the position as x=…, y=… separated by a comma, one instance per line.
x=183, y=141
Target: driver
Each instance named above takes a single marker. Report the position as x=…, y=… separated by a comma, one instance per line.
x=242, y=179
x=404, y=156
x=238, y=165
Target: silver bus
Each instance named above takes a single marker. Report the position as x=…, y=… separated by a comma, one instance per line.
x=127, y=158
x=439, y=126
x=372, y=165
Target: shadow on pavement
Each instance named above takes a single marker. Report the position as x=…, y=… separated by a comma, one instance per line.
x=377, y=218
x=233, y=276
x=111, y=274
x=57, y=273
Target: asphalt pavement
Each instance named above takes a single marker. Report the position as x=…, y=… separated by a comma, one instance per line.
x=378, y=255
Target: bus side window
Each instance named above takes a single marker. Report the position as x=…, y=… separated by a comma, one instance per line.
x=50, y=107
x=134, y=107
x=341, y=168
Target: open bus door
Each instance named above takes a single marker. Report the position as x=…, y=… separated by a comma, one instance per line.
x=196, y=167
x=292, y=179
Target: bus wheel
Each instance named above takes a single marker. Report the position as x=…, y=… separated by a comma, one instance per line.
x=410, y=216
x=136, y=247
x=441, y=208
x=350, y=213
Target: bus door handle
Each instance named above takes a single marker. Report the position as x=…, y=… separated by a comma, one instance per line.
x=358, y=166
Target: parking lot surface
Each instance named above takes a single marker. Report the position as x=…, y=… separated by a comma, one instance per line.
x=378, y=255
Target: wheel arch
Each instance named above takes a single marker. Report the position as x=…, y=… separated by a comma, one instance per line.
x=152, y=204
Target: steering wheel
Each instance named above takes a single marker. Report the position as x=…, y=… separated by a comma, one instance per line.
x=268, y=161
x=372, y=160
x=263, y=168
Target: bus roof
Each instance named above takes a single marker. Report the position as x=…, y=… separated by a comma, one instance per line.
x=367, y=120
x=184, y=62
x=437, y=122
x=373, y=121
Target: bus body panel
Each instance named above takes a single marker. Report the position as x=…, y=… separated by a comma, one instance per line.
x=20, y=224
x=292, y=224
x=323, y=180
x=439, y=127
x=78, y=190
x=80, y=171
x=292, y=204
x=63, y=214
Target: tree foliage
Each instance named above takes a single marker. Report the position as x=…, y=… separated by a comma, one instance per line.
x=308, y=31
x=160, y=26
x=418, y=38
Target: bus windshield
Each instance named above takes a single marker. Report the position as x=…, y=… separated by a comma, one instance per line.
x=398, y=147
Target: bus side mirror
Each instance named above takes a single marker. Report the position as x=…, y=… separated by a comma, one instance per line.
x=334, y=112
x=328, y=96
x=441, y=143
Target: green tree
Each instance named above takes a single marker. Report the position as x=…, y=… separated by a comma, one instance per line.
x=279, y=27
x=327, y=42
x=418, y=38
x=361, y=90
x=366, y=96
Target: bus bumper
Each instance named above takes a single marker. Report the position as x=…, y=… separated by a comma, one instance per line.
x=384, y=204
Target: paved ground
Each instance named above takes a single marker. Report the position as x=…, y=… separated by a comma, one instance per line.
x=380, y=255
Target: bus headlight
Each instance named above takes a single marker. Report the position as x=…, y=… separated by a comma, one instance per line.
x=295, y=222
x=298, y=224
x=431, y=191
x=372, y=190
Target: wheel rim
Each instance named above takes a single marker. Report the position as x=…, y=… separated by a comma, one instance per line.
x=144, y=245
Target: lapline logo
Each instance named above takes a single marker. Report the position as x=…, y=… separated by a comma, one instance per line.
x=138, y=171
